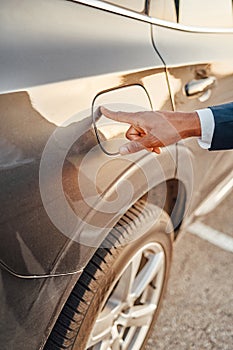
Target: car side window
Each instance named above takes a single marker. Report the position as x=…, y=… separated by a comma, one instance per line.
x=163, y=9
x=134, y=5
x=207, y=13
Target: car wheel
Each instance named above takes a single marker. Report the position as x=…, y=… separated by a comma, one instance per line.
x=117, y=298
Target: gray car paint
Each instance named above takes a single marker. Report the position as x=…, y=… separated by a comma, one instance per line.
x=51, y=42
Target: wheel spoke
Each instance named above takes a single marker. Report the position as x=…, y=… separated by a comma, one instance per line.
x=138, y=316
x=102, y=329
x=125, y=284
x=105, y=345
x=126, y=317
x=117, y=344
x=147, y=274
x=129, y=337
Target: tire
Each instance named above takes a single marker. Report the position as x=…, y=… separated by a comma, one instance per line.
x=117, y=298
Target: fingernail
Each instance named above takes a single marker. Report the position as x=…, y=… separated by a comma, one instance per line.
x=104, y=109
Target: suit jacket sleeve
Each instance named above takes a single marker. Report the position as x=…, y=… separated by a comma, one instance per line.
x=223, y=131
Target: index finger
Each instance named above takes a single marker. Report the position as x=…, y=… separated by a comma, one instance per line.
x=125, y=117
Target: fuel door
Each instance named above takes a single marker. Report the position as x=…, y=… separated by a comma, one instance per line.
x=111, y=134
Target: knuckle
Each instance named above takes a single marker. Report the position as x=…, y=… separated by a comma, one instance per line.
x=136, y=146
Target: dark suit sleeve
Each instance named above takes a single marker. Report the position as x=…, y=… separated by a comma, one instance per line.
x=223, y=131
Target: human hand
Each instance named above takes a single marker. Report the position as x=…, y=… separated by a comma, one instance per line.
x=154, y=129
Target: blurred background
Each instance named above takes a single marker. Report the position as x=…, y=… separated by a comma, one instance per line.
x=197, y=311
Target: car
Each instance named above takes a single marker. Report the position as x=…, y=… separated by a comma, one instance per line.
x=87, y=235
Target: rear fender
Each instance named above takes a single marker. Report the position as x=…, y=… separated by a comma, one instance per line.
x=87, y=195
x=119, y=184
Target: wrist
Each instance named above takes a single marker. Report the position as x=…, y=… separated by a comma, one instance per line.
x=190, y=125
x=196, y=125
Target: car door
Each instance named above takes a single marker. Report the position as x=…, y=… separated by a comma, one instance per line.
x=195, y=39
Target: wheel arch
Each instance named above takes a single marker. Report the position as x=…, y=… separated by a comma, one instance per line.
x=172, y=186
x=157, y=186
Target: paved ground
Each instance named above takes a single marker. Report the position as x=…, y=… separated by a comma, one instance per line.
x=197, y=312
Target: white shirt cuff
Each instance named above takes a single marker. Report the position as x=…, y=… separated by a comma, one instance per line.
x=207, y=127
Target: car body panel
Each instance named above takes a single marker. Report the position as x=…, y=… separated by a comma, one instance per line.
x=29, y=308
x=25, y=223
x=40, y=117
x=30, y=55
x=136, y=5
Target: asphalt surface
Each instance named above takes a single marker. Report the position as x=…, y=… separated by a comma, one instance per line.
x=197, y=311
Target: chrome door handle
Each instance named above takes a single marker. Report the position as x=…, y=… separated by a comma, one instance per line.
x=199, y=86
